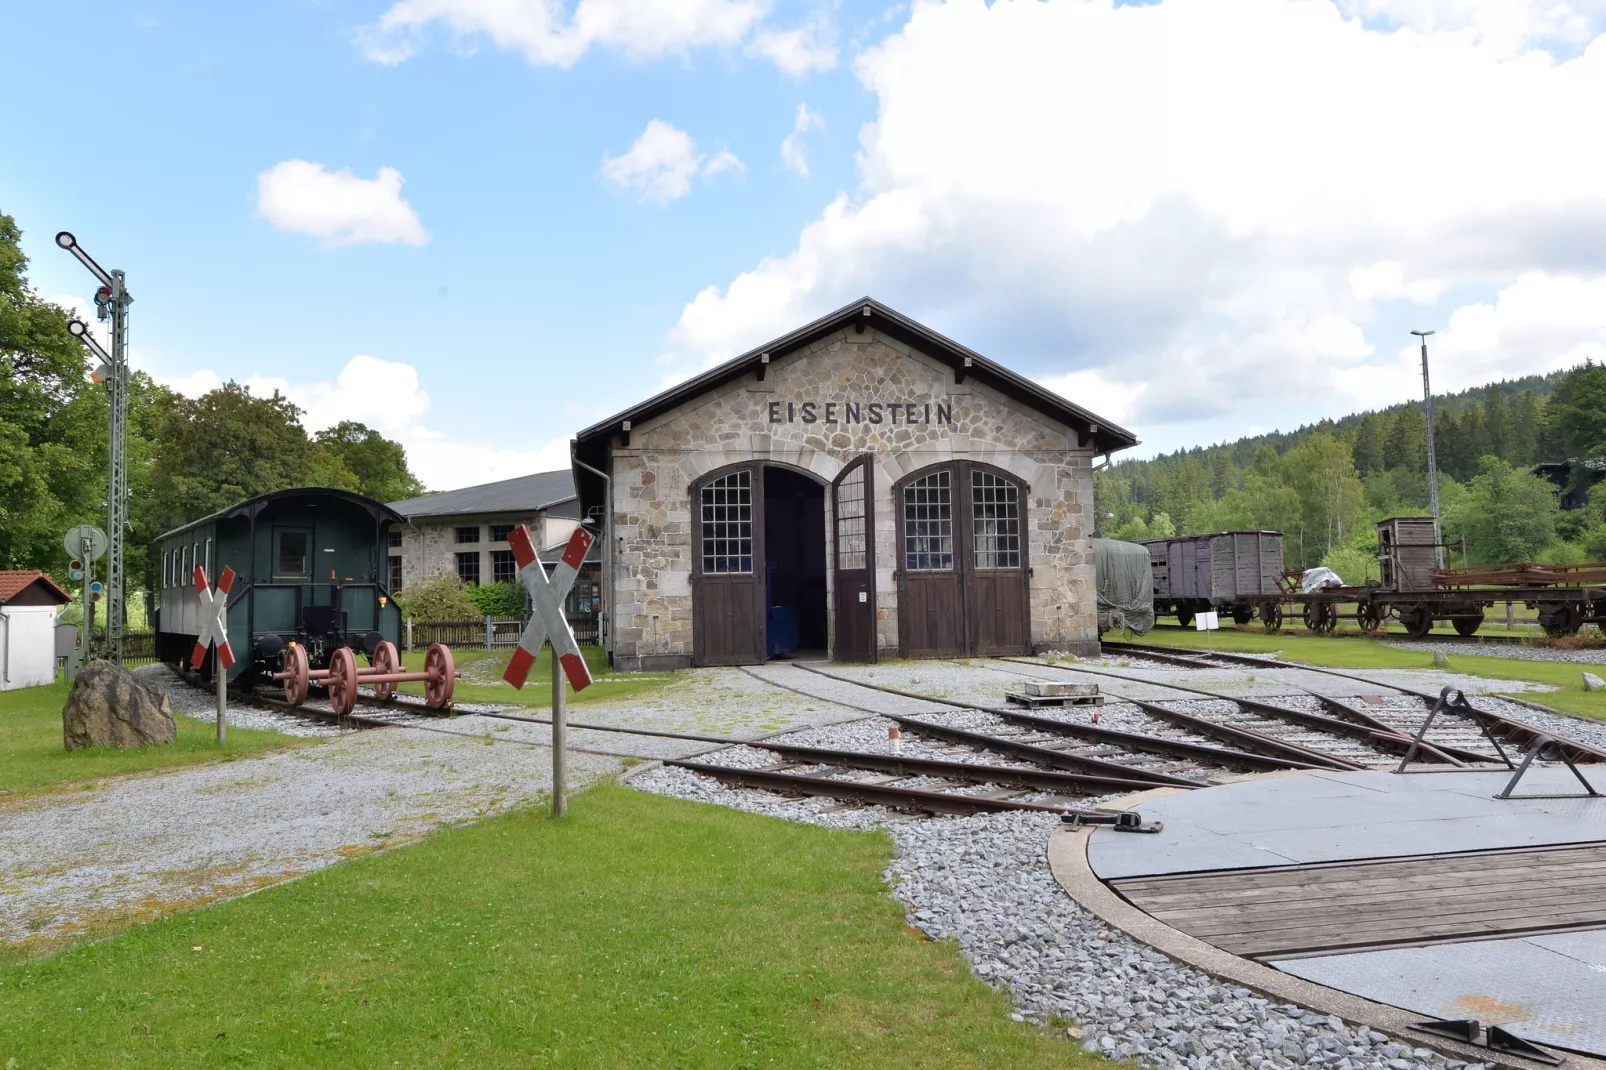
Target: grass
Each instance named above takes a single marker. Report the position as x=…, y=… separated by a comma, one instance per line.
x=1355, y=652
x=32, y=756
x=482, y=678
x=639, y=931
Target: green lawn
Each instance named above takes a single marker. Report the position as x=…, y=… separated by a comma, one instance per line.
x=1355, y=652
x=640, y=931
x=31, y=753
x=482, y=678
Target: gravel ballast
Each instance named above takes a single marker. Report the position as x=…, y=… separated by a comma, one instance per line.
x=985, y=883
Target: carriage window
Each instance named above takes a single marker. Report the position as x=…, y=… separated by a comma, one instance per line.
x=468, y=567
x=850, y=520
x=293, y=556
x=928, y=524
x=727, y=520
x=995, y=511
x=504, y=569
x=465, y=535
x=208, y=561
x=167, y=574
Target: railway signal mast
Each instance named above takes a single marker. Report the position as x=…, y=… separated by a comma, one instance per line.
x=1433, y=464
x=111, y=302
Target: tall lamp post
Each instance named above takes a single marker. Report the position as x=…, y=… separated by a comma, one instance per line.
x=1433, y=464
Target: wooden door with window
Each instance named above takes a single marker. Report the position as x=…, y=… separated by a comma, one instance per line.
x=727, y=567
x=997, y=615
x=853, y=547
x=930, y=607
x=962, y=570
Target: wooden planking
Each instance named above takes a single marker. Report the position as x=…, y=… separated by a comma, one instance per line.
x=1337, y=906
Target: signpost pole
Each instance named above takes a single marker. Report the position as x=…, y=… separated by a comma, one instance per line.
x=222, y=694
x=86, y=619
x=560, y=742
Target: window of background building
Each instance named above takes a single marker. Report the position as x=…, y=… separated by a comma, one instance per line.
x=395, y=573
x=500, y=532
x=395, y=537
x=466, y=535
x=468, y=567
x=503, y=568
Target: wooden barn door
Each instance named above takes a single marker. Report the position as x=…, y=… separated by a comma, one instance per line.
x=728, y=567
x=853, y=547
x=930, y=607
x=997, y=617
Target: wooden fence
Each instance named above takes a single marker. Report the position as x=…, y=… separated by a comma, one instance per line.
x=485, y=634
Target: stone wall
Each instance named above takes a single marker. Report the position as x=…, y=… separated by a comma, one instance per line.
x=652, y=477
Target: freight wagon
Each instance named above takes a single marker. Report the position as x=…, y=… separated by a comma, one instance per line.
x=1230, y=572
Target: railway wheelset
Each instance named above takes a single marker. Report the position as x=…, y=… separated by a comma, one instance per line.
x=343, y=676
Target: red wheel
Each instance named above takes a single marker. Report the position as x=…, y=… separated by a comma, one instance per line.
x=295, y=674
x=442, y=675
x=385, y=661
x=342, y=680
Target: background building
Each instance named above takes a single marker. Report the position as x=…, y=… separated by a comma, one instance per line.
x=464, y=532
x=862, y=486
x=30, y=601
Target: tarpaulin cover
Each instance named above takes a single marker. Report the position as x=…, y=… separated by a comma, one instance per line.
x=1316, y=579
x=1125, y=585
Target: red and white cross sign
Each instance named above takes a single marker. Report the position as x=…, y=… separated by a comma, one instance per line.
x=214, y=618
x=548, y=619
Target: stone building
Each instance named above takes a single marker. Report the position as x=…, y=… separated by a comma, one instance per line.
x=862, y=486
x=464, y=532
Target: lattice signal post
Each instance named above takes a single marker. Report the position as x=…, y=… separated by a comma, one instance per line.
x=111, y=301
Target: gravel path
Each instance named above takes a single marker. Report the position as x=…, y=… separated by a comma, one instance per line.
x=1509, y=650
x=139, y=846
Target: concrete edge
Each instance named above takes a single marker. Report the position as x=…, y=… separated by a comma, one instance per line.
x=1067, y=860
x=634, y=771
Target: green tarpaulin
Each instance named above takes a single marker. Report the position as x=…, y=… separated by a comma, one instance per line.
x=1125, y=586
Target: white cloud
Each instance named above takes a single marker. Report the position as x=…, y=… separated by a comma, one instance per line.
x=1504, y=27
x=1386, y=280
x=547, y=35
x=793, y=154
x=1204, y=202
x=388, y=397
x=800, y=51
x=662, y=162
x=338, y=207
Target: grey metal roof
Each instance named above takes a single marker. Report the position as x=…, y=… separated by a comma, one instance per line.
x=521, y=494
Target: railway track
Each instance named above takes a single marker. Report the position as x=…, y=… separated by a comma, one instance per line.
x=1450, y=638
x=1406, y=718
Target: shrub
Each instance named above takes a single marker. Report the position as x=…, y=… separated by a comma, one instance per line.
x=504, y=601
x=442, y=598
x=1354, y=566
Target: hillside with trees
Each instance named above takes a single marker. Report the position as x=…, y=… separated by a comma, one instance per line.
x=1325, y=486
x=186, y=456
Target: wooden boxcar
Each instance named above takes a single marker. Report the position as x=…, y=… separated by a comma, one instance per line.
x=309, y=567
x=1229, y=571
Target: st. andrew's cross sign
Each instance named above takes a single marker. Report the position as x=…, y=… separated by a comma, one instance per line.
x=214, y=618
x=215, y=631
x=547, y=595
x=546, y=622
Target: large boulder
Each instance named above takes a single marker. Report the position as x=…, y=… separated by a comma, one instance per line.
x=109, y=707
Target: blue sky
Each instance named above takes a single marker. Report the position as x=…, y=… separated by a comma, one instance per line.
x=1105, y=199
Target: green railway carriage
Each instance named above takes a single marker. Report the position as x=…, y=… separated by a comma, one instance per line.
x=309, y=568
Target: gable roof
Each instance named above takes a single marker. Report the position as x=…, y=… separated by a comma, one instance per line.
x=1104, y=436
x=521, y=494
x=14, y=581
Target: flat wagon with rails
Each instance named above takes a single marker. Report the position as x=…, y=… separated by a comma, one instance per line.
x=310, y=590
x=1242, y=574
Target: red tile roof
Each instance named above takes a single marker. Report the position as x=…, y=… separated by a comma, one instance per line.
x=13, y=582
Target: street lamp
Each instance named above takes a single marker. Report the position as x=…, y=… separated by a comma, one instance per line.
x=1433, y=465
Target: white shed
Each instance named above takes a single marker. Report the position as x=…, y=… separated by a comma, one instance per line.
x=29, y=603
